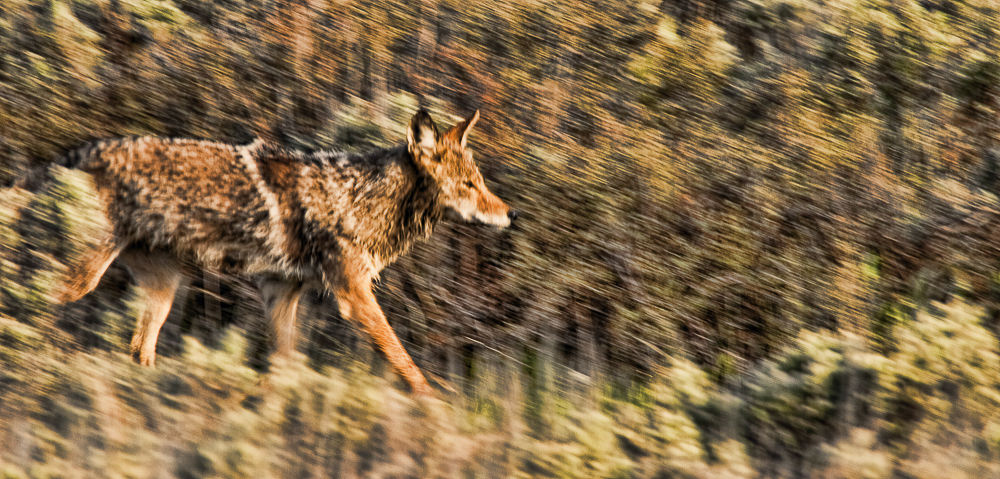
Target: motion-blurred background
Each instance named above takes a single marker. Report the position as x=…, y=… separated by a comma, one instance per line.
x=759, y=239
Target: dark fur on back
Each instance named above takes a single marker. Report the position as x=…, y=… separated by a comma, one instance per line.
x=260, y=208
x=292, y=219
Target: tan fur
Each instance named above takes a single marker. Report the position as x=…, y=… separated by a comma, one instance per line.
x=157, y=276
x=84, y=276
x=293, y=220
x=281, y=301
x=357, y=303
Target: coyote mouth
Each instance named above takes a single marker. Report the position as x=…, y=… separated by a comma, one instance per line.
x=476, y=218
x=498, y=221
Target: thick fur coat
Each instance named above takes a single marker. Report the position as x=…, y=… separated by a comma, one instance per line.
x=290, y=219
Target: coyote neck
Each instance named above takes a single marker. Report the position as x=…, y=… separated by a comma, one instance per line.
x=411, y=207
x=379, y=201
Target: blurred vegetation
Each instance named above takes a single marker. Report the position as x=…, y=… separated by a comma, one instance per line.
x=758, y=240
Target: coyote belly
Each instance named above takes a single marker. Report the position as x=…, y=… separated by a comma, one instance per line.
x=289, y=219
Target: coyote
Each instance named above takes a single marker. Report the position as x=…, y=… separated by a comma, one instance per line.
x=288, y=219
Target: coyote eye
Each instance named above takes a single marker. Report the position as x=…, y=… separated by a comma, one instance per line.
x=470, y=185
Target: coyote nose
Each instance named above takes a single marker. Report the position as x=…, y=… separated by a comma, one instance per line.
x=512, y=214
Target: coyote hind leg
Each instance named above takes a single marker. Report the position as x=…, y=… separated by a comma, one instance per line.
x=281, y=301
x=84, y=276
x=157, y=276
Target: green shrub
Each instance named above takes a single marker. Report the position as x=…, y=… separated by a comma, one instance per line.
x=942, y=376
x=797, y=403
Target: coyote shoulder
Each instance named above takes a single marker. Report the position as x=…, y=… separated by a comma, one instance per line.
x=289, y=219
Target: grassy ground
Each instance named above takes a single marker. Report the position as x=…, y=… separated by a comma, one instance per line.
x=827, y=407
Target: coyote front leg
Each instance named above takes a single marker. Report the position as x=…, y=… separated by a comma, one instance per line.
x=357, y=303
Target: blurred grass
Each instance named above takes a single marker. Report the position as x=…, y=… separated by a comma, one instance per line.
x=758, y=240
x=824, y=404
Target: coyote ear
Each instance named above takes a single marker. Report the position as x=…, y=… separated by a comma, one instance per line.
x=460, y=132
x=422, y=136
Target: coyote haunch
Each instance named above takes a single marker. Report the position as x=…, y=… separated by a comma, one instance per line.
x=292, y=220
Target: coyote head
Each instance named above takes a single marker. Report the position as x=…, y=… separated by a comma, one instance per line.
x=445, y=158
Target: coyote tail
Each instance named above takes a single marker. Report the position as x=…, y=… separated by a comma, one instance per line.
x=39, y=175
